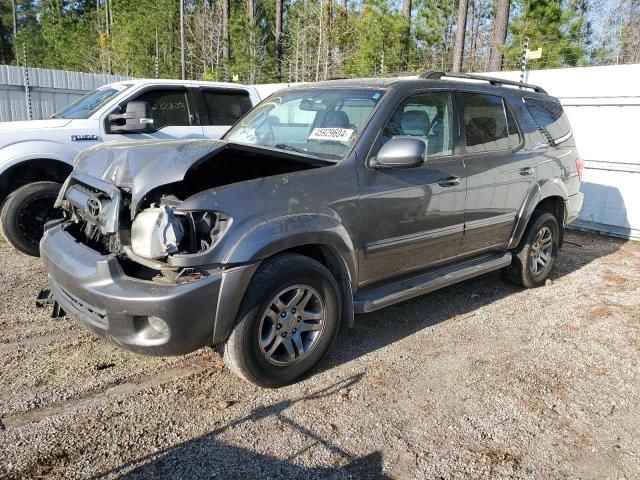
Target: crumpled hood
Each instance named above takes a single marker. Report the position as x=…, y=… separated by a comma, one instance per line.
x=139, y=167
x=33, y=124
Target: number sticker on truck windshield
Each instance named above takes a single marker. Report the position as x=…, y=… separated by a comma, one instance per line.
x=331, y=134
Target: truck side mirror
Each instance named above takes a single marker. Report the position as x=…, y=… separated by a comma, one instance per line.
x=135, y=119
x=400, y=152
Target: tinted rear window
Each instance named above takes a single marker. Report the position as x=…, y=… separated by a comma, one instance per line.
x=549, y=116
x=226, y=107
x=485, y=122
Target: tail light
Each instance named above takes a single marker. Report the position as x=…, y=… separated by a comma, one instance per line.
x=579, y=167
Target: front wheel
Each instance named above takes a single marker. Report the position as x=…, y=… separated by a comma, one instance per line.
x=24, y=213
x=288, y=319
x=534, y=258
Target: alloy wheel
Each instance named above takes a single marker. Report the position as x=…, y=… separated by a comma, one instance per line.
x=541, y=250
x=292, y=324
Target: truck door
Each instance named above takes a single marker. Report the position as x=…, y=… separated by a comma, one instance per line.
x=174, y=115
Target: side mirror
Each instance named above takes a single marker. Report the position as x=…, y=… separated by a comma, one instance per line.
x=400, y=152
x=135, y=119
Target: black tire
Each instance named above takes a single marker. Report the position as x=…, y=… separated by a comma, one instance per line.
x=242, y=352
x=521, y=272
x=24, y=213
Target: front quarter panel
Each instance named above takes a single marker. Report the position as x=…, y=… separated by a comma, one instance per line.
x=272, y=214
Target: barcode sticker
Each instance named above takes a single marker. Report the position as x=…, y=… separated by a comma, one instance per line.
x=332, y=134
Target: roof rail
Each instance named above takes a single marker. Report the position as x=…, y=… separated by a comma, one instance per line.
x=491, y=80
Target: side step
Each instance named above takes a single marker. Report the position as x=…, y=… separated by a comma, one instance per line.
x=373, y=298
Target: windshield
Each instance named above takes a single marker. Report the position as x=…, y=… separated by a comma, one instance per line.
x=320, y=122
x=85, y=106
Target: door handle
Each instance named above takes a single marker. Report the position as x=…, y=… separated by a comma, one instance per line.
x=526, y=171
x=449, y=181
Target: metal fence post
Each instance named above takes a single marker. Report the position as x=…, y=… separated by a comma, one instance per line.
x=27, y=91
x=523, y=66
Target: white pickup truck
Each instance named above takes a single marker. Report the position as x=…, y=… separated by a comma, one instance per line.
x=36, y=156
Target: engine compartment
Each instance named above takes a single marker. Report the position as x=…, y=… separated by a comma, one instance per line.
x=229, y=165
x=146, y=238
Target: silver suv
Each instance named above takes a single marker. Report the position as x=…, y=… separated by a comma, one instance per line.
x=324, y=201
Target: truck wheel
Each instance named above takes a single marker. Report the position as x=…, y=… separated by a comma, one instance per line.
x=286, y=323
x=534, y=258
x=25, y=212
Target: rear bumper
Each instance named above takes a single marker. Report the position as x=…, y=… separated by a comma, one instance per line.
x=94, y=289
x=573, y=206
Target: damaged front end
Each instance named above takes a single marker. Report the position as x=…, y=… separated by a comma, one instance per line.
x=127, y=200
x=98, y=215
x=140, y=256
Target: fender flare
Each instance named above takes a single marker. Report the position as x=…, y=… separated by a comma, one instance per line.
x=541, y=190
x=278, y=235
x=290, y=231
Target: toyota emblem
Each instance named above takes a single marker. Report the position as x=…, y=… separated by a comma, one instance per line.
x=94, y=206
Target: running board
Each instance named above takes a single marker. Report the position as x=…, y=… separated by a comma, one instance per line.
x=382, y=296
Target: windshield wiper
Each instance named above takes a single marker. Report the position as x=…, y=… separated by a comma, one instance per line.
x=329, y=156
x=284, y=146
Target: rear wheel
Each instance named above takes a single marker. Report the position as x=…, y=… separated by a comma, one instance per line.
x=24, y=213
x=534, y=258
x=287, y=321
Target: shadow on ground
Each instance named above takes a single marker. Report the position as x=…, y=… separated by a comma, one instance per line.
x=377, y=329
x=208, y=457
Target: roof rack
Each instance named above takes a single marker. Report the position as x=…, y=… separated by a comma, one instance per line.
x=491, y=80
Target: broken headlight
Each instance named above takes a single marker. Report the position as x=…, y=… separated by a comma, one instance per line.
x=158, y=232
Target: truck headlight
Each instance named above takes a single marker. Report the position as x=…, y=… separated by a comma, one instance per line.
x=156, y=232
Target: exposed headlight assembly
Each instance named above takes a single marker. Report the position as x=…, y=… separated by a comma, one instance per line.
x=158, y=232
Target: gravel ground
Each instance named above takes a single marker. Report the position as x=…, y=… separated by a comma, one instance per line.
x=479, y=379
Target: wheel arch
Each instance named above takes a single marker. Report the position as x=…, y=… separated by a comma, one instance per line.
x=547, y=196
x=234, y=286
x=32, y=170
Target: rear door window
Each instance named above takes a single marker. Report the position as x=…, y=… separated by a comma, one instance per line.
x=167, y=107
x=485, y=123
x=225, y=107
x=550, y=117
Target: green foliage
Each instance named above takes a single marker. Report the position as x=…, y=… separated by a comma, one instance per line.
x=377, y=36
x=553, y=25
x=321, y=38
x=434, y=33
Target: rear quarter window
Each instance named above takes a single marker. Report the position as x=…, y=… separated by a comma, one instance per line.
x=550, y=117
x=226, y=107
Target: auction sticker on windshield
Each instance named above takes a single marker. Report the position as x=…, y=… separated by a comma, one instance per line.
x=332, y=134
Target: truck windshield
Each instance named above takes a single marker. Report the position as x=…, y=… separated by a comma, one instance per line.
x=85, y=106
x=316, y=121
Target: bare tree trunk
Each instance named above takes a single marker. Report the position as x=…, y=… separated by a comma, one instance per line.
x=182, y=62
x=320, y=41
x=327, y=41
x=458, y=48
x=499, y=36
x=15, y=18
x=406, y=34
x=107, y=27
x=278, y=39
x=226, y=39
x=253, y=54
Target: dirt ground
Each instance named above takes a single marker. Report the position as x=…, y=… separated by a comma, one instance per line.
x=481, y=379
